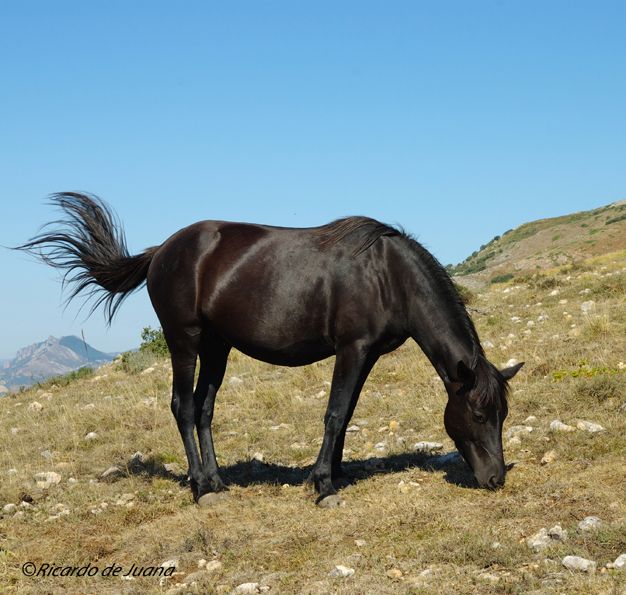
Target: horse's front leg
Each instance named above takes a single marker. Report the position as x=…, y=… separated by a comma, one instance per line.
x=352, y=365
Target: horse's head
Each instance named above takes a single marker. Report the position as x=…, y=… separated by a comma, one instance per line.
x=474, y=416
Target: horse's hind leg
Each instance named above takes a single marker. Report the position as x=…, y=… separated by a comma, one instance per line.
x=213, y=358
x=184, y=353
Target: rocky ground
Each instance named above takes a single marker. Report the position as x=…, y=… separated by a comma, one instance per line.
x=93, y=473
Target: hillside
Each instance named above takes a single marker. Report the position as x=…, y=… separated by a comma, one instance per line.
x=412, y=521
x=547, y=243
x=52, y=357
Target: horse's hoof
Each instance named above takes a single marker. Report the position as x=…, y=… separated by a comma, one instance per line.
x=211, y=499
x=332, y=501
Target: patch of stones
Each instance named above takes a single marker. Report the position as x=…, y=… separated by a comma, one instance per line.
x=544, y=538
x=586, y=426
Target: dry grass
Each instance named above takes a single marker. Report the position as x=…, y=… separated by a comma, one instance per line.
x=413, y=515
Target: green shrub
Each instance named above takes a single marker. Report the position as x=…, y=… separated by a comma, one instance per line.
x=502, y=278
x=65, y=379
x=153, y=341
x=615, y=219
x=467, y=295
x=133, y=362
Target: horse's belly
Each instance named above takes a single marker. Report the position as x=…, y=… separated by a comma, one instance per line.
x=295, y=354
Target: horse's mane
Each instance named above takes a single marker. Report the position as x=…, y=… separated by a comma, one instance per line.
x=360, y=233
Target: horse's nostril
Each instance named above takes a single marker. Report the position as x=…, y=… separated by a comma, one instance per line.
x=495, y=482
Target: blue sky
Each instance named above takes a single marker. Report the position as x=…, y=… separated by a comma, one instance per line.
x=457, y=120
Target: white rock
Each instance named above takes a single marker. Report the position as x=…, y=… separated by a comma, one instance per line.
x=589, y=426
x=531, y=419
x=488, y=345
x=548, y=457
x=91, y=436
x=540, y=540
x=46, y=479
x=147, y=371
x=173, y=563
x=12, y=471
x=619, y=564
x=578, y=563
x=380, y=446
x=558, y=426
x=360, y=542
x=9, y=508
x=517, y=430
x=14, y=431
x=554, y=292
x=341, y=572
x=353, y=428
x=113, y=471
x=247, y=588
x=511, y=362
x=427, y=447
x=137, y=458
x=235, y=381
x=35, y=407
x=489, y=577
x=589, y=523
x=562, y=302
x=557, y=533
x=588, y=306
x=213, y=566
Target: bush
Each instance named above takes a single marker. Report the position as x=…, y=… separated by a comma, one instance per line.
x=502, y=278
x=66, y=379
x=467, y=295
x=153, y=341
x=133, y=362
x=602, y=387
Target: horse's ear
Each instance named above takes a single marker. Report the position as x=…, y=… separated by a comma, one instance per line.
x=465, y=375
x=508, y=373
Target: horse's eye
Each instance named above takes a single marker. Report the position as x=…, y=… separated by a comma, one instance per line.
x=479, y=417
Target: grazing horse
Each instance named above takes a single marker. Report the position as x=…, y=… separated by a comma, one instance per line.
x=354, y=288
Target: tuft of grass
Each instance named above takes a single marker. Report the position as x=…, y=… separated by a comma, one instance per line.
x=601, y=388
x=134, y=362
x=65, y=379
x=502, y=278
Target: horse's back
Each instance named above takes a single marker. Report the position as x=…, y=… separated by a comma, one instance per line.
x=279, y=294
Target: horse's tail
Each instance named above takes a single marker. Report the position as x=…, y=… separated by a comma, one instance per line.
x=90, y=247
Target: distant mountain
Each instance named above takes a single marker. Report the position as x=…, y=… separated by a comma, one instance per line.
x=51, y=357
x=547, y=243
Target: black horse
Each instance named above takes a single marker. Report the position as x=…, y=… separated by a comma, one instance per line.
x=354, y=288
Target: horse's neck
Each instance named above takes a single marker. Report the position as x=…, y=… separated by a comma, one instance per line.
x=443, y=333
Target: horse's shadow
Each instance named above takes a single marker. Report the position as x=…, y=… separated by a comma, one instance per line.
x=253, y=472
